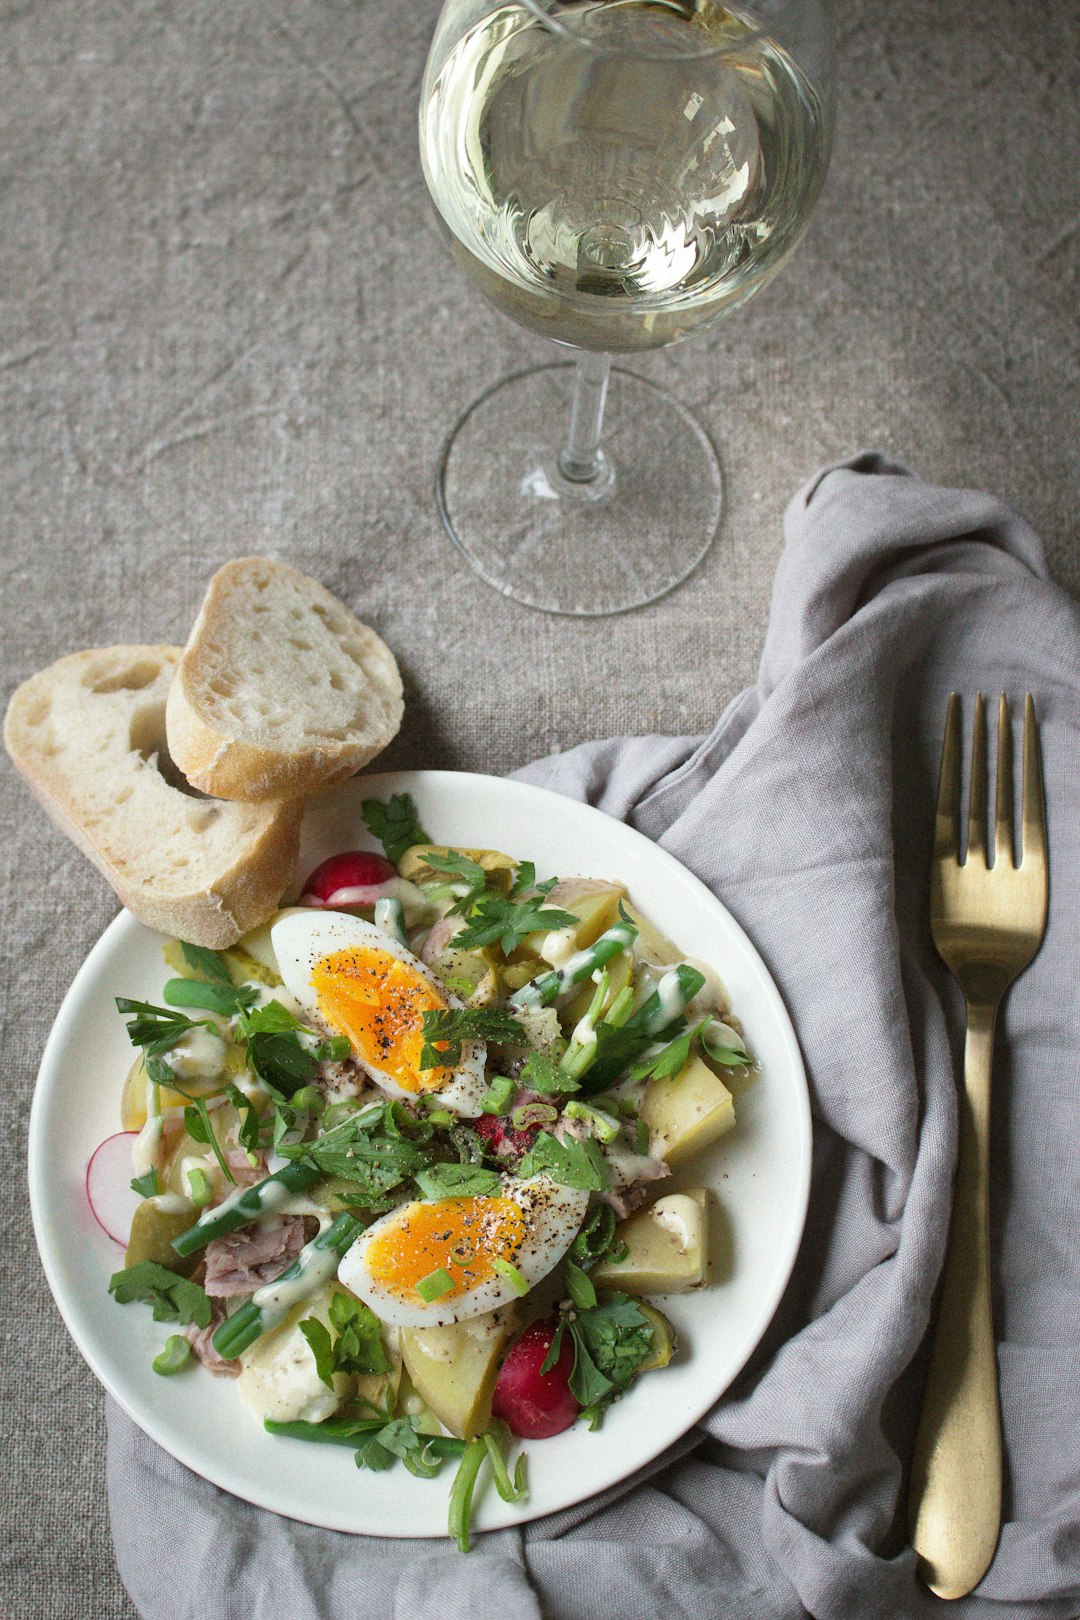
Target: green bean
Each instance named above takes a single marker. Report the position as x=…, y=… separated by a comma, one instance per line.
x=390, y=917
x=316, y=1263
x=558, y=982
x=461, y=1492
x=239, y=1208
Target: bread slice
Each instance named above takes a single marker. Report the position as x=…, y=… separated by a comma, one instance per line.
x=88, y=734
x=280, y=690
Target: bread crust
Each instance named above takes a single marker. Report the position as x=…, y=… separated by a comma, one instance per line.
x=66, y=730
x=239, y=757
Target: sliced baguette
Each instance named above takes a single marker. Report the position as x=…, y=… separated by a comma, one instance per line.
x=88, y=734
x=280, y=690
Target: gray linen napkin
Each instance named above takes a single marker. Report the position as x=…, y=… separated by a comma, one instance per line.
x=808, y=809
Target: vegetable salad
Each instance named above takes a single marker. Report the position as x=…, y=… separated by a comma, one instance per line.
x=401, y=1155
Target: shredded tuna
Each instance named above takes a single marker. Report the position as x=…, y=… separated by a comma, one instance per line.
x=252, y=1255
x=244, y=1172
x=200, y=1342
x=631, y=1176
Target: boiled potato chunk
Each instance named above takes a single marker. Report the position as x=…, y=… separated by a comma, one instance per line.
x=152, y=1232
x=133, y=1096
x=453, y=1369
x=668, y=1248
x=651, y=945
x=686, y=1113
x=593, y=901
x=499, y=867
x=279, y=1379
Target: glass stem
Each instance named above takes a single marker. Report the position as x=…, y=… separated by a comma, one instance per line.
x=580, y=459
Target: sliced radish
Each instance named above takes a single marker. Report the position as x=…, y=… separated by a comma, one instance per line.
x=536, y=1405
x=108, y=1186
x=356, y=877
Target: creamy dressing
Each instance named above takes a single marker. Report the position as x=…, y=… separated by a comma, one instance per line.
x=677, y=1214
x=198, y=1055
x=557, y=947
x=145, y=1146
x=413, y=899
x=672, y=1000
x=172, y=1203
x=273, y=1196
x=275, y=1300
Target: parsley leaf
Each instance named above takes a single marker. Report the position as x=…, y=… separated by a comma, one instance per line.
x=174, y=1298
x=146, y=1186
x=198, y=1126
x=618, y=1337
x=541, y=1073
x=458, y=1024
x=670, y=1059
x=465, y=879
x=275, y=1050
x=525, y=882
x=570, y=1163
x=362, y=1150
x=580, y=1289
x=497, y=918
x=457, y=1181
x=394, y=824
x=358, y=1347
x=155, y=1029
x=208, y=964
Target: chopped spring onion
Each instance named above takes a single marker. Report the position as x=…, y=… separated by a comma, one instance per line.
x=435, y=1285
x=513, y=1276
x=176, y=1354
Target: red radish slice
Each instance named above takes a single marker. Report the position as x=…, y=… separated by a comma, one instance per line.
x=108, y=1186
x=533, y=1404
x=356, y=877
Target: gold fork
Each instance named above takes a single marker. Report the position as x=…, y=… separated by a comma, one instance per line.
x=987, y=923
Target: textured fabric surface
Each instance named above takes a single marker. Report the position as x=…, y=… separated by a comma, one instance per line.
x=810, y=809
x=227, y=324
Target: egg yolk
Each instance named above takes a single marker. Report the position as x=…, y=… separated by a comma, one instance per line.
x=379, y=1002
x=461, y=1235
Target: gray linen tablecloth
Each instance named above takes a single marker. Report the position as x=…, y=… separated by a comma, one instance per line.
x=809, y=809
x=227, y=324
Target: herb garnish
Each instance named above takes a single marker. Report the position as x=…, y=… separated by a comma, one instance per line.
x=499, y=917
x=358, y=1346
x=611, y=1340
x=174, y=1298
x=368, y=1149
x=571, y=1163
x=457, y=1181
x=446, y=1030
x=394, y=824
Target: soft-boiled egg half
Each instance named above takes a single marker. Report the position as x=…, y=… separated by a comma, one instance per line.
x=430, y=1263
x=352, y=979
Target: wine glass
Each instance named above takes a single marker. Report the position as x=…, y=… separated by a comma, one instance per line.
x=616, y=175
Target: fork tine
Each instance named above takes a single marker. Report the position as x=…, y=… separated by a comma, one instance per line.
x=976, y=840
x=947, y=823
x=1034, y=810
x=1003, y=839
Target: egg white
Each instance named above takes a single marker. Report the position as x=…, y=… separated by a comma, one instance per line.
x=304, y=938
x=553, y=1217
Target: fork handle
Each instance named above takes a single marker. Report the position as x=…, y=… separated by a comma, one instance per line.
x=955, y=1496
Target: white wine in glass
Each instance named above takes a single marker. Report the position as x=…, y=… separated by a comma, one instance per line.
x=616, y=175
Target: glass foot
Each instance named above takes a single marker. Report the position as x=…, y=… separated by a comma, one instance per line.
x=626, y=537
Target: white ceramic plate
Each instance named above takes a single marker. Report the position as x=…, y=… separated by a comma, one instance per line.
x=760, y=1174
